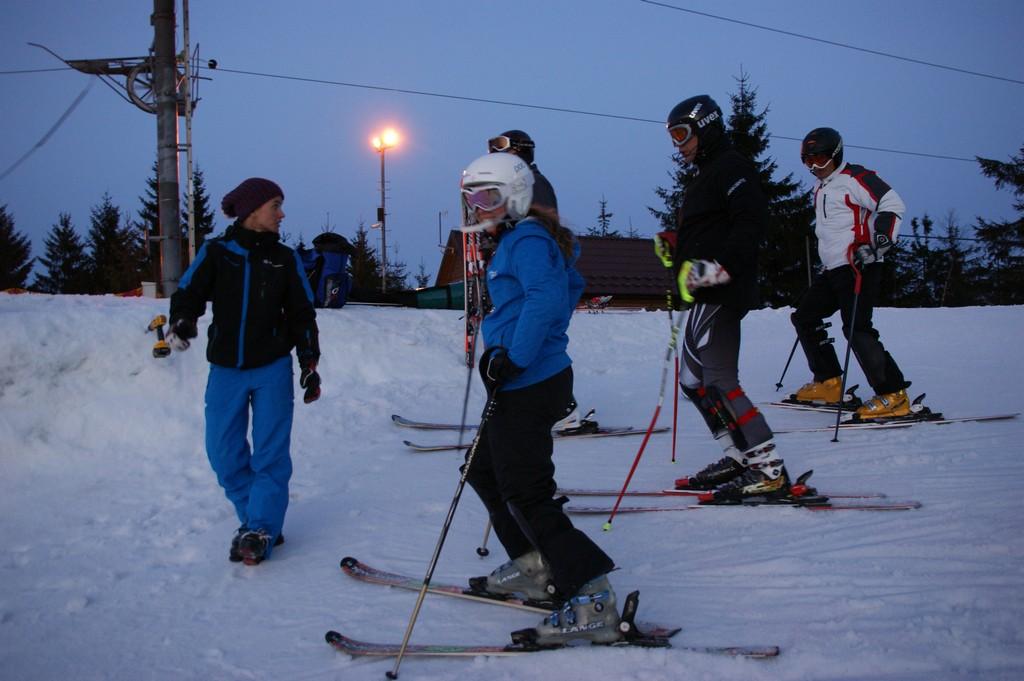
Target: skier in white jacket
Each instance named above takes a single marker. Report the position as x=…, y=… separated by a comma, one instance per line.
x=857, y=220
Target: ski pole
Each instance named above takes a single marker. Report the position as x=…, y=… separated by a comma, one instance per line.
x=488, y=411
x=675, y=398
x=464, y=474
x=654, y=419
x=482, y=550
x=786, y=368
x=849, y=336
x=807, y=249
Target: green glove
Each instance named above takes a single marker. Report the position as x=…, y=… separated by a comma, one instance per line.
x=664, y=245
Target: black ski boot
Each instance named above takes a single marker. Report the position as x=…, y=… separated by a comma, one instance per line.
x=235, y=555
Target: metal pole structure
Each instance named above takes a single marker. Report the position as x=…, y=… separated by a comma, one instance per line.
x=165, y=89
x=383, y=228
x=189, y=178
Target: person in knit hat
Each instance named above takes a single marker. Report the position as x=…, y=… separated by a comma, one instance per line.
x=247, y=197
x=262, y=308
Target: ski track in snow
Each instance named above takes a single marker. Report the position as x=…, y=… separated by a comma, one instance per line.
x=114, y=561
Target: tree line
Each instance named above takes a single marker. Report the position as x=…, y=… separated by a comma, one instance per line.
x=120, y=250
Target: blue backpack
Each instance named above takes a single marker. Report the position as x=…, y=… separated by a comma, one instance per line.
x=326, y=266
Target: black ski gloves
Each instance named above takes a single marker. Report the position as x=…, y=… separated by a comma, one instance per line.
x=310, y=380
x=496, y=369
x=181, y=332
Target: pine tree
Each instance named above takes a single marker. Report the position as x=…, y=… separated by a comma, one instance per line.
x=682, y=174
x=15, y=252
x=116, y=252
x=1002, y=243
x=363, y=266
x=422, y=276
x=149, y=222
x=783, y=263
x=604, y=222
x=205, y=217
x=66, y=262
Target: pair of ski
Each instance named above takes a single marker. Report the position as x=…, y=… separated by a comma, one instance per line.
x=636, y=634
x=802, y=496
x=586, y=430
x=918, y=414
x=581, y=433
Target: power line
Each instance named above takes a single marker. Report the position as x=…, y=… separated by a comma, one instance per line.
x=836, y=44
x=523, y=105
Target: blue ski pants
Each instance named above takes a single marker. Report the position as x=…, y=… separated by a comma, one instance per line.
x=254, y=480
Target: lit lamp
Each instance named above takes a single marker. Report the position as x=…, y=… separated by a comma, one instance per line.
x=382, y=142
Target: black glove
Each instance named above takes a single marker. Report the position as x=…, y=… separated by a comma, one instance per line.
x=310, y=380
x=496, y=369
x=181, y=332
x=869, y=253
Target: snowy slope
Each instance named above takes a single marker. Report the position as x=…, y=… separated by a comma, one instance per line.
x=115, y=534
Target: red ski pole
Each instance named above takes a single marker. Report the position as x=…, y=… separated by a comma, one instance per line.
x=654, y=419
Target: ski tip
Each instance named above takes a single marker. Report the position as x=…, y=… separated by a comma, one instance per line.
x=332, y=637
x=348, y=562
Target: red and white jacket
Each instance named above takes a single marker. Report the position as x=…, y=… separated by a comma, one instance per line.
x=850, y=206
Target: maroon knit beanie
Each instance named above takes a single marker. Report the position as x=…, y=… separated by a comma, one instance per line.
x=249, y=196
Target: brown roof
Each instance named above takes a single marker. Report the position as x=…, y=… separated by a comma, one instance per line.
x=620, y=267
x=615, y=266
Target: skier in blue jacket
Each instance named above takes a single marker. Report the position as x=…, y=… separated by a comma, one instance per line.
x=262, y=308
x=534, y=287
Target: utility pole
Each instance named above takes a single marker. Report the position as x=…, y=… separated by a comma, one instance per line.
x=165, y=90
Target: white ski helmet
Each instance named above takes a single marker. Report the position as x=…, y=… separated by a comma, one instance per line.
x=498, y=179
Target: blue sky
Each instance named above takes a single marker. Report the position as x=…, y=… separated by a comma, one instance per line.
x=619, y=57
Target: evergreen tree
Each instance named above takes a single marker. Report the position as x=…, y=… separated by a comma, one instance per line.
x=363, y=266
x=149, y=223
x=205, y=217
x=682, y=174
x=397, y=275
x=783, y=263
x=422, y=276
x=920, y=267
x=1002, y=243
x=604, y=222
x=117, y=253
x=66, y=262
x=15, y=252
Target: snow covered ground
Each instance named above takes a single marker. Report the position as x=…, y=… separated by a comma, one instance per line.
x=115, y=535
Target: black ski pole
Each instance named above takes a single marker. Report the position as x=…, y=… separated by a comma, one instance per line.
x=786, y=368
x=464, y=473
x=488, y=411
x=849, y=337
x=482, y=550
x=807, y=250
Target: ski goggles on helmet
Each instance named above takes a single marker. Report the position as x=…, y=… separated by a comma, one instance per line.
x=815, y=161
x=483, y=198
x=506, y=143
x=681, y=133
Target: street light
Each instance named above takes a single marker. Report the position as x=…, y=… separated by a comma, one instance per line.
x=382, y=142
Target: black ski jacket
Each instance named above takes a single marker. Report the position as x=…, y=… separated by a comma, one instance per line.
x=262, y=302
x=724, y=217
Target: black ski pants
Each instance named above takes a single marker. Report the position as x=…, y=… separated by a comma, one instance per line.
x=710, y=375
x=514, y=475
x=834, y=290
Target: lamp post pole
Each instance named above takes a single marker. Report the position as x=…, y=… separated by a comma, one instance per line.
x=383, y=228
x=386, y=140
